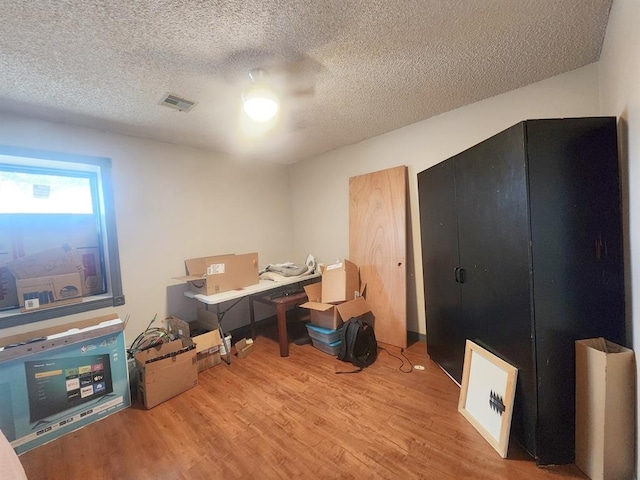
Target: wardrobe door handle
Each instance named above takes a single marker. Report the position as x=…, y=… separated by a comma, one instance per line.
x=456, y=274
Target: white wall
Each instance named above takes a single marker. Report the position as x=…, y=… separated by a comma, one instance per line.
x=619, y=68
x=171, y=203
x=320, y=187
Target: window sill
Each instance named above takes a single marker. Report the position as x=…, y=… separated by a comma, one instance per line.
x=14, y=317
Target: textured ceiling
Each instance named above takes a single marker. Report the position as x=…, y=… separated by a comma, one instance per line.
x=347, y=69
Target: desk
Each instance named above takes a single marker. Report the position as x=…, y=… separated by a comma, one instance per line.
x=261, y=292
x=282, y=304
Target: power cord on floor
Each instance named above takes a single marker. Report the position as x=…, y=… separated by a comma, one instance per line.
x=401, y=360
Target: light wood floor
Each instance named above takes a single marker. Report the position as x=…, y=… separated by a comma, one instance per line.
x=267, y=417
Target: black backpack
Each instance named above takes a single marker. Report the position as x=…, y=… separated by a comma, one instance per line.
x=359, y=345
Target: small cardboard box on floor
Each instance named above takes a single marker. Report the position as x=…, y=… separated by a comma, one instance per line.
x=217, y=274
x=244, y=347
x=69, y=377
x=166, y=371
x=205, y=333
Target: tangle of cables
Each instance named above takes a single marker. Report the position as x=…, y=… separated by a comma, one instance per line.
x=149, y=338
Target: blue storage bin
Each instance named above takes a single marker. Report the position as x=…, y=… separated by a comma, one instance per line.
x=330, y=348
x=325, y=335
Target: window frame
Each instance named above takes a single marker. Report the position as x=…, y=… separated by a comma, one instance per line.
x=114, y=295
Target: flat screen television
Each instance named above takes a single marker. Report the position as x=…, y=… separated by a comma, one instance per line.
x=55, y=386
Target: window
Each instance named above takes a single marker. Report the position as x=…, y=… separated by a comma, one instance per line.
x=58, y=242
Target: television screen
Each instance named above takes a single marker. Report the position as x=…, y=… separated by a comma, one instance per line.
x=55, y=386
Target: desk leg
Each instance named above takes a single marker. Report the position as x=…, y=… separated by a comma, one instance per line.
x=281, y=311
x=252, y=317
x=220, y=315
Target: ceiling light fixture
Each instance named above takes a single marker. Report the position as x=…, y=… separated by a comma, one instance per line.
x=260, y=101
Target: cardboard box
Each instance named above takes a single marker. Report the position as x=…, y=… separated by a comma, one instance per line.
x=314, y=292
x=205, y=334
x=166, y=371
x=209, y=358
x=54, y=261
x=45, y=292
x=217, y=274
x=48, y=278
x=244, y=347
x=70, y=376
x=204, y=331
x=605, y=409
x=8, y=290
x=46, y=261
x=357, y=307
x=92, y=278
x=321, y=314
x=340, y=282
x=331, y=316
x=47, y=247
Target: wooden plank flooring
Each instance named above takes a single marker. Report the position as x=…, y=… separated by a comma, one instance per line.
x=267, y=417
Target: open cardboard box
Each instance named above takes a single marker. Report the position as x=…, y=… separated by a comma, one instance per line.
x=244, y=347
x=205, y=334
x=340, y=282
x=221, y=273
x=166, y=371
x=327, y=315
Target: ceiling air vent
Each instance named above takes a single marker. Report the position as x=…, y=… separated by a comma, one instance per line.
x=177, y=103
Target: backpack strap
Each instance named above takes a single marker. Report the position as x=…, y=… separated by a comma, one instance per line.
x=369, y=338
x=342, y=353
x=352, y=336
x=349, y=337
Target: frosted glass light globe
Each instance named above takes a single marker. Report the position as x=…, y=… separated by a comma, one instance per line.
x=261, y=109
x=260, y=103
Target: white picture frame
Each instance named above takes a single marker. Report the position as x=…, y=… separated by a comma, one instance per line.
x=487, y=394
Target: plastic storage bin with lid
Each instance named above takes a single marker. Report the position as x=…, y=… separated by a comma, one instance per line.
x=325, y=335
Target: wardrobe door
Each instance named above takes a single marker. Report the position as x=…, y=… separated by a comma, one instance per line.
x=438, y=227
x=493, y=226
x=577, y=261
